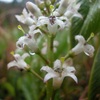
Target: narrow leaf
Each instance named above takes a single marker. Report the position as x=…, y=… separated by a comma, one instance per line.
x=94, y=83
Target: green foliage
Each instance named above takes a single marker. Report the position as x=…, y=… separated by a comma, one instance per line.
x=94, y=84
x=25, y=86
x=90, y=22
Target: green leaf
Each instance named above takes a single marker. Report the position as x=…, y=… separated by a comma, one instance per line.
x=90, y=22
x=94, y=83
x=77, y=23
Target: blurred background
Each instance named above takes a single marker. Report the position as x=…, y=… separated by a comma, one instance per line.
x=14, y=85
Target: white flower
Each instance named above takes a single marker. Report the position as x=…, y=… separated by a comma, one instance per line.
x=62, y=7
x=45, y=46
x=82, y=46
x=29, y=40
x=19, y=61
x=25, y=18
x=58, y=73
x=72, y=10
x=53, y=23
x=33, y=9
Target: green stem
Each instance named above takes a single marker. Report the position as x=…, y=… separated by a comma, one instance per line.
x=37, y=75
x=47, y=6
x=43, y=31
x=51, y=58
x=70, y=54
x=49, y=90
x=50, y=49
x=45, y=60
x=42, y=94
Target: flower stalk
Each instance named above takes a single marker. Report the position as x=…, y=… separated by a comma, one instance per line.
x=34, y=73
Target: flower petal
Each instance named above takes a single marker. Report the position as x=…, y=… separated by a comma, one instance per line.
x=20, y=18
x=49, y=76
x=42, y=21
x=34, y=9
x=69, y=71
x=11, y=64
x=29, y=21
x=55, y=43
x=47, y=69
x=25, y=55
x=89, y=50
x=44, y=50
x=60, y=23
x=57, y=64
x=52, y=28
x=73, y=77
x=20, y=42
x=78, y=49
x=80, y=39
x=24, y=12
x=57, y=81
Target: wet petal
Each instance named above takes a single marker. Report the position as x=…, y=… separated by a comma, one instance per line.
x=89, y=50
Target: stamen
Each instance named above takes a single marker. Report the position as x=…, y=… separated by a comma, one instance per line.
x=12, y=52
x=20, y=28
x=59, y=70
x=62, y=59
x=28, y=35
x=91, y=36
x=52, y=19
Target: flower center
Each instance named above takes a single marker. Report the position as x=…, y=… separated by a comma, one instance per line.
x=28, y=35
x=59, y=70
x=52, y=19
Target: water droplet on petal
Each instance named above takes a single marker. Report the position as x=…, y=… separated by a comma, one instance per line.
x=31, y=53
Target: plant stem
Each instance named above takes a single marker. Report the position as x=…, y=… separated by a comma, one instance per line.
x=50, y=49
x=37, y=75
x=49, y=90
x=45, y=60
x=70, y=54
x=49, y=86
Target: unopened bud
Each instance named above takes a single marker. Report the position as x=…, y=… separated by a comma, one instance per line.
x=33, y=9
x=62, y=7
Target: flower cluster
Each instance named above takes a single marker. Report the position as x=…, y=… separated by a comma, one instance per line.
x=45, y=20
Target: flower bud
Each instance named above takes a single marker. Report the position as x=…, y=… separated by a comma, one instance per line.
x=62, y=7
x=33, y=9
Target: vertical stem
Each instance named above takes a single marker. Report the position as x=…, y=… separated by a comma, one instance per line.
x=49, y=89
x=50, y=55
x=50, y=50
